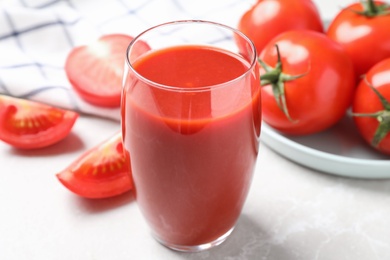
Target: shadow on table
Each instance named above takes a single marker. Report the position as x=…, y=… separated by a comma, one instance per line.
x=69, y=144
x=248, y=241
x=94, y=206
x=368, y=185
x=374, y=185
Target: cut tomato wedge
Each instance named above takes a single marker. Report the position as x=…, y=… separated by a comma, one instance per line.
x=100, y=172
x=27, y=124
x=95, y=71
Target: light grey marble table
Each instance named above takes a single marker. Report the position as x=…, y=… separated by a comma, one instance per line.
x=291, y=213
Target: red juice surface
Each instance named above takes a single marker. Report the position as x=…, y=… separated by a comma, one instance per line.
x=192, y=152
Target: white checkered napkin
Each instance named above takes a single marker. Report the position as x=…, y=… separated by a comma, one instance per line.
x=34, y=44
x=37, y=35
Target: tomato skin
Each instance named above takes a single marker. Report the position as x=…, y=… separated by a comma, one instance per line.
x=26, y=124
x=367, y=102
x=95, y=71
x=366, y=39
x=319, y=98
x=100, y=172
x=266, y=19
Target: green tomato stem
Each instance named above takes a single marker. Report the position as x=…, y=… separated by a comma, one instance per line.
x=383, y=128
x=276, y=78
x=383, y=117
x=372, y=9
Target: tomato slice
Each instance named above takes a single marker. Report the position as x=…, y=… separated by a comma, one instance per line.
x=95, y=71
x=100, y=172
x=27, y=124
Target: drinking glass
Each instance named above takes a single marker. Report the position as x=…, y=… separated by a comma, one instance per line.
x=191, y=119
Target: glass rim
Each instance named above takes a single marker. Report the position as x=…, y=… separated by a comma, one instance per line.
x=192, y=89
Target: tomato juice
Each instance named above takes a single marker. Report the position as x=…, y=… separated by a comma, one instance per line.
x=191, y=125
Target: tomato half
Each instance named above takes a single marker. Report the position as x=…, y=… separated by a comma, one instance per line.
x=27, y=124
x=311, y=87
x=95, y=71
x=100, y=172
x=266, y=19
x=371, y=107
x=363, y=30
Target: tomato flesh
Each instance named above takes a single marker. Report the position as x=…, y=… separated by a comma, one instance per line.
x=95, y=71
x=100, y=172
x=27, y=124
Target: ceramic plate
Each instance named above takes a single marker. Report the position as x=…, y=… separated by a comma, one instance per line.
x=339, y=151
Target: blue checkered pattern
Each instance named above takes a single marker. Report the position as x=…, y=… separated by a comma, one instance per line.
x=37, y=35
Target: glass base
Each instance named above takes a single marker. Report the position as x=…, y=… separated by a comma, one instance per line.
x=196, y=248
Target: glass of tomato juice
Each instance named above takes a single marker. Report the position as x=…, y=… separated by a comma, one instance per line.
x=191, y=119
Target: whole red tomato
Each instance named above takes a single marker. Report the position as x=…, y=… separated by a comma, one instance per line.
x=363, y=30
x=371, y=107
x=312, y=85
x=266, y=19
